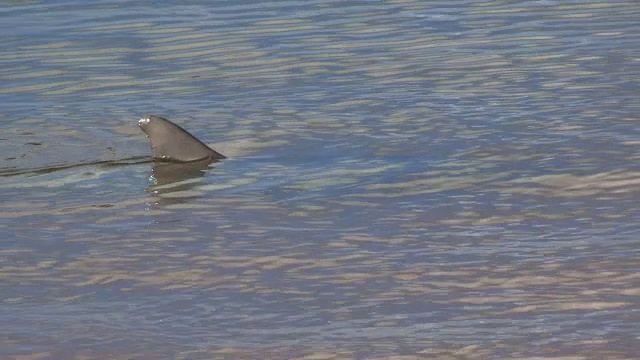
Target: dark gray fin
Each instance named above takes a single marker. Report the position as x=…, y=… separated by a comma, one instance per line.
x=170, y=142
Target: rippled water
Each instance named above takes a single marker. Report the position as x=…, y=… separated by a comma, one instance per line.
x=405, y=178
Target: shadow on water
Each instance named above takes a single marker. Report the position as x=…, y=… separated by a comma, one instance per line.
x=178, y=183
x=167, y=173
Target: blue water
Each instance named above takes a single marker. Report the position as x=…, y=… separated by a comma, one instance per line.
x=433, y=179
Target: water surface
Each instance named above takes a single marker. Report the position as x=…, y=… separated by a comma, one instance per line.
x=423, y=179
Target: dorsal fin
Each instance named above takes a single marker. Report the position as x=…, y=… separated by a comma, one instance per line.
x=170, y=142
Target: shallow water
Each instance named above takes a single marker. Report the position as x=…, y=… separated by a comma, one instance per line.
x=429, y=179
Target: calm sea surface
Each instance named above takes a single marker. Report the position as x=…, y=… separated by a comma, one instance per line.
x=406, y=179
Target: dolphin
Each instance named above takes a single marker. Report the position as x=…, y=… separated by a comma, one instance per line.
x=170, y=142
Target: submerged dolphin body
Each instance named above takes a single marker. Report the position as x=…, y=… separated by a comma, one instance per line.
x=170, y=142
